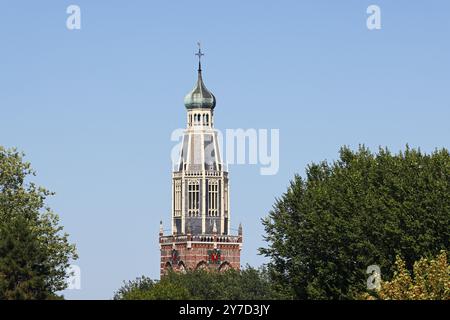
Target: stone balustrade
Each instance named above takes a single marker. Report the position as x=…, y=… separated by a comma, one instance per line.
x=201, y=238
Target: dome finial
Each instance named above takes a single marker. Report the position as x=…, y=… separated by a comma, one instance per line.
x=199, y=54
x=200, y=97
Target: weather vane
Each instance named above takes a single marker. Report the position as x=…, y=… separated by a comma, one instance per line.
x=199, y=54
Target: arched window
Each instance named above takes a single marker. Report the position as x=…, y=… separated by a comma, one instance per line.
x=193, y=198
x=201, y=265
x=167, y=267
x=225, y=266
x=177, y=198
x=181, y=267
x=213, y=197
x=207, y=119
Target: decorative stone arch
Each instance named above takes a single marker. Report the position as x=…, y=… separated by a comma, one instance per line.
x=167, y=267
x=182, y=267
x=225, y=266
x=202, y=265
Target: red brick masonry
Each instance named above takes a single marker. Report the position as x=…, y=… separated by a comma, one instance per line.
x=187, y=252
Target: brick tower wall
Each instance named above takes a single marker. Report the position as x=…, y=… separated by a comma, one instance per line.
x=192, y=255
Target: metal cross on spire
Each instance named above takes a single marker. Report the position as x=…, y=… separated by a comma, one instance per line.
x=199, y=54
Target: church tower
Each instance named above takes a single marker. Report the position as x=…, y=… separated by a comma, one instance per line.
x=201, y=236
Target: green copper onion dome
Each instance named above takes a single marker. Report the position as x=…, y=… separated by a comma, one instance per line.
x=200, y=97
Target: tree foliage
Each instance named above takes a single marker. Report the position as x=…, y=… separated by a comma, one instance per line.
x=430, y=281
x=363, y=209
x=34, y=253
x=247, y=284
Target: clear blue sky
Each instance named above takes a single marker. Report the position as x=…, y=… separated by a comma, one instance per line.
x=94, y=109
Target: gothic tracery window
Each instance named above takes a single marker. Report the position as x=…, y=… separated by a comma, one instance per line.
x=193, y=198
x=226, y=201
x=213, y=195
x=177, y=198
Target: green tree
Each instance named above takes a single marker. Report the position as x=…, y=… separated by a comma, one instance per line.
x=247, y=284
x=135, y=289
x=363, y=209
x=34, y=253
x=430, y=281
x=21, y=262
